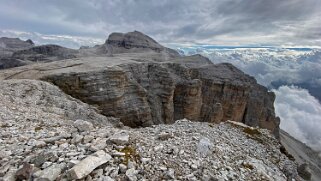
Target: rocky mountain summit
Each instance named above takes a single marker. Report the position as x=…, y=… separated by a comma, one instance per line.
x=110, y=113
x=14, y=44
x=15, y=52
x=133, y=42
x=7, y=47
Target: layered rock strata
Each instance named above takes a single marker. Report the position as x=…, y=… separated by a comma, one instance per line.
x=144, y=83
x=143, y=94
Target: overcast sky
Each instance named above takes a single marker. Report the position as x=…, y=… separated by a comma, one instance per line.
x=218, y=22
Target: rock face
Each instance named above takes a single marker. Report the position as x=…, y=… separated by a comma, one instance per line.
x=42, y=101
x=143, y=94
x=142, y=87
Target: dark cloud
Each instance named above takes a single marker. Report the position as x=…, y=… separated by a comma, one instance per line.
x=293, y=22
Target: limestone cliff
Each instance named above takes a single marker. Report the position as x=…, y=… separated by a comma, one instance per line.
x=144, y=83
x=143, y=94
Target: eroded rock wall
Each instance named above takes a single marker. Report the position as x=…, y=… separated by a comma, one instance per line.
x=142, y=94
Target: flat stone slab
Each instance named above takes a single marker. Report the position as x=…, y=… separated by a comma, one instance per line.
x=87, y=165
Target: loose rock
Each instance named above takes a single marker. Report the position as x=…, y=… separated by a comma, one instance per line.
x=86, y=166
x=120, y=138
x=82, y=125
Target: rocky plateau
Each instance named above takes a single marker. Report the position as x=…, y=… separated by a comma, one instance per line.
x=132, y=109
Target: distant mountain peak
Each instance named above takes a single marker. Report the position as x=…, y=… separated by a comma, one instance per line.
x=14, y=43
x=133, y=42
x=30, y=42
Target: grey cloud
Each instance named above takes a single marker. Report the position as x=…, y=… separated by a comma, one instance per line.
x=171, y=21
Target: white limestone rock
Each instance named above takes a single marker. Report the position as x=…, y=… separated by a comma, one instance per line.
x=120, y=138
x=51, y=173
x=87, y=165
x=82, y=125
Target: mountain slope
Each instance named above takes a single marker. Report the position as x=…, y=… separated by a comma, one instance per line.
x=146, y=86
x=302, y=154
x=46, y=134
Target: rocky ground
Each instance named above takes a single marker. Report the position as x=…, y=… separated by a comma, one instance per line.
x=48, y=135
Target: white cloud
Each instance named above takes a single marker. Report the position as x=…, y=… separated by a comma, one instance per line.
x=273, y=67
x=300, y=114
x=63, y=40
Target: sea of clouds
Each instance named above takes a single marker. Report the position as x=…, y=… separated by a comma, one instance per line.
x=294, y=75
x=300, y=114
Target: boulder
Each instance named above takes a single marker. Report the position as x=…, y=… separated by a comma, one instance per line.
x=87, y=165
x=304, y=171
x=51, y=173
x=120, y=138
x=82, y=125
x=24, y=173
x=131, y=174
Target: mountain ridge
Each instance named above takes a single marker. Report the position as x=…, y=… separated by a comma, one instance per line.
x=154, y=82
x=149, y=89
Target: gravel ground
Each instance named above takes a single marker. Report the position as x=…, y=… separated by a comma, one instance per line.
x=47, y=135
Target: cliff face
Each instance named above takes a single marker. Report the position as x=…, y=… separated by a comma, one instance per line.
x=144, y=83
x=143, y=94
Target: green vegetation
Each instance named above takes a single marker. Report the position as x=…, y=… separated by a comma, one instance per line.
x=38, y=128
x=251, y=131
x=130, y=154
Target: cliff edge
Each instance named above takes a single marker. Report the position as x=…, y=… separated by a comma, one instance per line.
x=144, y=83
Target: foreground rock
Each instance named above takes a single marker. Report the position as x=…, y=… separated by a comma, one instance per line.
x=195, y=151
x=87, y=165
x=40, y=139
x=51, y=173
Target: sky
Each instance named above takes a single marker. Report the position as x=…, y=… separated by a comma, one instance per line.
x=73, y=23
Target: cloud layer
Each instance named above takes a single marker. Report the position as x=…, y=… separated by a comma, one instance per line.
x=299, y=111
x=275, y=67
x=300, y=114
x=229, y=22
